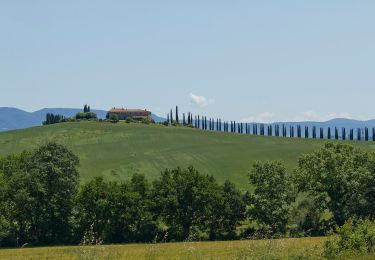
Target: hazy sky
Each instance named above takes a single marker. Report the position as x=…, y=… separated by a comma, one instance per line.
x=253, y=60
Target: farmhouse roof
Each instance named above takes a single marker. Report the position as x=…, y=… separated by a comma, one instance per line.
x=121, y=110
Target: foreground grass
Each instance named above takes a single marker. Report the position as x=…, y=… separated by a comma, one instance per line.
x=300, y=248
x=116, y=151
x=294, y=248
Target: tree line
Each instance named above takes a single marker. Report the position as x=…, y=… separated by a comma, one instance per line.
x=277, y=130
x=43, y=203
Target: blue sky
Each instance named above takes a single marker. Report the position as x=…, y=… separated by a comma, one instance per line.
x=242, y=60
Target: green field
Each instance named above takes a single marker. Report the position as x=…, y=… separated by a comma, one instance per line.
x=116, y=151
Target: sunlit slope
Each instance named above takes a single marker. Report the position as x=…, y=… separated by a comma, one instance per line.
x=116, y=151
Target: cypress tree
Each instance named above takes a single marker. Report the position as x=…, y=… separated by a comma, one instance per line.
x=343, y=134
x=329, y=133
x=314, y=132
x=366, y=134
x=336, y=133
x=183, y=119
x=88, y=109
x=300, y=132
x=306, y=132
x=171, y=117
x=177, y=121
x=359, y=134
x=373, y=134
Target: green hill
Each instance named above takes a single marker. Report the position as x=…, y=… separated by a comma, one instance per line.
x=116, y=151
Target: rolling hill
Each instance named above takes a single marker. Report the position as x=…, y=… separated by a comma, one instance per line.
x=116, y=151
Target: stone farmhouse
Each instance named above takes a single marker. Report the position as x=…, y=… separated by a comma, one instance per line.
x=125, y=113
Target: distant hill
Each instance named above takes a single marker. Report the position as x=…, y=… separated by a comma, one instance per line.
x=14, y=118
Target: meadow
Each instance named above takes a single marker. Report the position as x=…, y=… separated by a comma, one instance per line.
x=117, y=151
x=300, y=248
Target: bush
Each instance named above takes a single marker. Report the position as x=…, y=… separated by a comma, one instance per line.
x=354, y=237
x=145, y=121
x=86, y=115
x=114, y=118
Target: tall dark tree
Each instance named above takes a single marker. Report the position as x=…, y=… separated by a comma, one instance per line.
x=336, y=133
x=314, y=132
x=177, y=119
x=329, y=133
x=351, y=134
x=359, y=134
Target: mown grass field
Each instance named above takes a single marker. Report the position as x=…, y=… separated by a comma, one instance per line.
x=116, y=151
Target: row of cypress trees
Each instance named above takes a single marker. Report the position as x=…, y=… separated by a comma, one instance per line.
x=278, y=130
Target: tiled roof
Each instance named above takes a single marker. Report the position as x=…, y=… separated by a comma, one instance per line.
x=122, y=110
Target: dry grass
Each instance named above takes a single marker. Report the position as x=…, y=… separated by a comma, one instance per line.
x=302, y=248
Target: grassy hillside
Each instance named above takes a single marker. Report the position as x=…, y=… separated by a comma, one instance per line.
x=116, y=151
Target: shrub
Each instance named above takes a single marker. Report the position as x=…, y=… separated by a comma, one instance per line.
x=354, y=237
x=86, y=115
x=146, y=121
x=114, y=118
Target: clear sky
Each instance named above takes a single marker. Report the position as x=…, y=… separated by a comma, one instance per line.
x=242, y=60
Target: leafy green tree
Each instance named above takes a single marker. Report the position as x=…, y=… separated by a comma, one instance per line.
x=4, y=211
x=184, y=200
x=339, y=178
x=273, y=195
x=54, y=167
x=228, y=212
x=92, y=210
x=38, y=195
